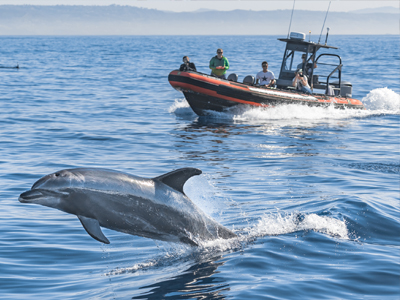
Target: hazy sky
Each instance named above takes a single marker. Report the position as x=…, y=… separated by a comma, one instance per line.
x=191, y=5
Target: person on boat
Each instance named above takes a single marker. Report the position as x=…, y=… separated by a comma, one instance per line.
x=187, y=65
x=303, y=61
x=265, y=77
x=308, y=66
x=300, y=82
x=219, y=64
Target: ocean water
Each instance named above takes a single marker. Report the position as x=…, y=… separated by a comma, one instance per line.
x=313, y=193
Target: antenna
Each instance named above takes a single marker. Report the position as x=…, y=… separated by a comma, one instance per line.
x=327, y=33
x=324, y=21
x=290, y=24
x=309, y=35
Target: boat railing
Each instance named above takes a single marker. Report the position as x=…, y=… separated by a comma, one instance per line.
x=319, y=84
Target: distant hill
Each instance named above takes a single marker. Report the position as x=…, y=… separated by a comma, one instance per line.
x=379, y=10
x=129, y=20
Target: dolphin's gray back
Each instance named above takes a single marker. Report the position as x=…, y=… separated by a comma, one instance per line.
x=110, y=181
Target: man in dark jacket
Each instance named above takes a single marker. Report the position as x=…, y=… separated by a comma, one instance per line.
x=187, y=65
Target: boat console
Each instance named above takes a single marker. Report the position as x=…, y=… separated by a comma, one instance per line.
x=321, y=70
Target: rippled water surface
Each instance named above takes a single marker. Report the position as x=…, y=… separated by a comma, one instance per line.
x=312, y=193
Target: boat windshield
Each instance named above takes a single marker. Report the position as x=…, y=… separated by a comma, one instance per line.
x=292, y=61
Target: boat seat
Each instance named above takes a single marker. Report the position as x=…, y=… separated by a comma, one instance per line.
x=233, y=77
x=283, y=83
x=249, y=80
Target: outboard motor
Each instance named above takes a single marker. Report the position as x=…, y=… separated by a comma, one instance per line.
x=249, y=80
x=233, y=77
x=346, y=89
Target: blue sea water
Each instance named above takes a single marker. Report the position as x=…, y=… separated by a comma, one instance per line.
x=313, y=193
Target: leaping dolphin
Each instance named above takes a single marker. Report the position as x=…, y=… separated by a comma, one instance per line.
x=155, y=208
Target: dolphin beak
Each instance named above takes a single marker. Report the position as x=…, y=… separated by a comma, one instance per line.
x=30, y=196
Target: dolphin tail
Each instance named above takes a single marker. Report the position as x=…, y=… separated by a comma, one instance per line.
x=176, y=179
x=226, y=233
x=188, y=241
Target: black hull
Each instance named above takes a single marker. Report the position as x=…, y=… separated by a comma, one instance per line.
x=202, y=104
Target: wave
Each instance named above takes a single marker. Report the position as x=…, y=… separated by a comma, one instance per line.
x=275, y=223
x=381, y=101
x=271, y=224
x=278, y=223
x=181, y=108
x=390, y=168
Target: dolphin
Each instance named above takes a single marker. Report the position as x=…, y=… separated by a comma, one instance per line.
x=155, y=208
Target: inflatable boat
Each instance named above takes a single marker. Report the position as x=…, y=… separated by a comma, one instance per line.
x=206, y=93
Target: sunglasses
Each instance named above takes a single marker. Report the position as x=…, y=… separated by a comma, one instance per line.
x=219, y=52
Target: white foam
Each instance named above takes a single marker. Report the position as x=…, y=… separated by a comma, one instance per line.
x=288, y=115
x=378, y=101
x=326, y=225
x=133, y=269
x=270, y=224
x=279, y=223
x=382, y=99
x=180, y=107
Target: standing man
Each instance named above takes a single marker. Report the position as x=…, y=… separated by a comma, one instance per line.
x=265, y=76
x=219, y=64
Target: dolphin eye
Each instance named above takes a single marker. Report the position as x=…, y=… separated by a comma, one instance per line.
x=57, y=174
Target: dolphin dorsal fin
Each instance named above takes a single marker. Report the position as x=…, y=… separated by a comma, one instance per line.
x=176, y=179
x=92, y=227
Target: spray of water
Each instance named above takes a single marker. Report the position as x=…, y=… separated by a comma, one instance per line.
x=383, y=100
x=270, y=224
x=181, y=107
x=377, y=102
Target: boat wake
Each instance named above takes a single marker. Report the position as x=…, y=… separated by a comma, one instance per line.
x=181, y=108
x=381, y=101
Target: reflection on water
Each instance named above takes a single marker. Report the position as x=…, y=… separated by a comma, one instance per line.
x=197, y=282
x=217, y=140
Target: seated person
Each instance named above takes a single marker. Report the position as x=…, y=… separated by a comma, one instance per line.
x=187, y=65
x=300, y=82
x=265, y=77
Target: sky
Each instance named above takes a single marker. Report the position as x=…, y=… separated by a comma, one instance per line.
x=192, y=5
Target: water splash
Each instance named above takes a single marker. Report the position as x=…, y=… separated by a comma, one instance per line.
x=270, y=224
x=278, y=223
x=378, y=101
x=180, y=107
x=383, y=99
x=202, y=192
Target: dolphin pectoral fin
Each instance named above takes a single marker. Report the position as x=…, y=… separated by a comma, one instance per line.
x=176, y=179
x=92, y=227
